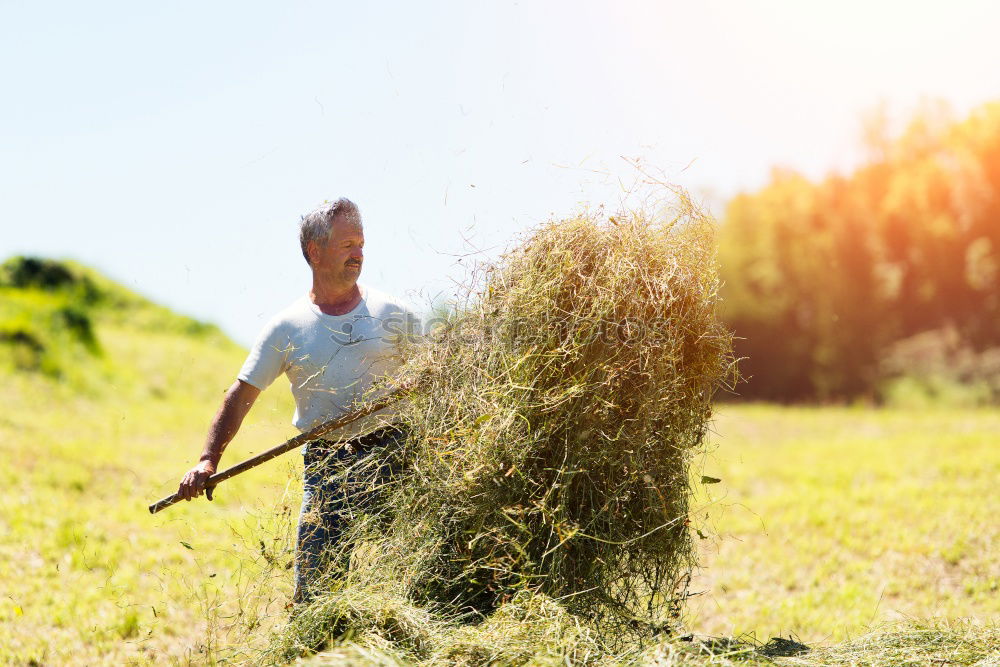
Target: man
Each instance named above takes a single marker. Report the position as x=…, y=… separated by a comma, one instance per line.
x=333, y=345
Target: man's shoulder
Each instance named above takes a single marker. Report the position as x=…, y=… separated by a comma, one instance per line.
x=293, y=316
x=380, y=302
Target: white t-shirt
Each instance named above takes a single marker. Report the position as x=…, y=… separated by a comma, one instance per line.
x=332, y=361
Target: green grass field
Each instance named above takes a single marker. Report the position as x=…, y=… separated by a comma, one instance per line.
x=87, y=574
x=828, y=521
x=834, y=519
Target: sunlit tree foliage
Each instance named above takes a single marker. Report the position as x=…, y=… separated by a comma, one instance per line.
x=822, y=276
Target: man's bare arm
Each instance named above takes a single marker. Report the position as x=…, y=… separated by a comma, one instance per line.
x=228, y=419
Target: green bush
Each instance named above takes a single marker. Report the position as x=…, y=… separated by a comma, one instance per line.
x=50, y=311
x=42, y=331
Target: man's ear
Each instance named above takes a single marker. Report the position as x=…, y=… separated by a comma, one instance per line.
x=310, y=251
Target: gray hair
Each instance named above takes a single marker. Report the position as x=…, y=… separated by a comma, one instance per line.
x=316, y=225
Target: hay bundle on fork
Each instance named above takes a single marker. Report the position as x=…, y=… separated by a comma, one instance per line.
x=550, y=442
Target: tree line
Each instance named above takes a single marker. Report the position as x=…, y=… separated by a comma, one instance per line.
x=823, y=277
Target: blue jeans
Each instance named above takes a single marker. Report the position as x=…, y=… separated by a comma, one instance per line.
x=333, y=473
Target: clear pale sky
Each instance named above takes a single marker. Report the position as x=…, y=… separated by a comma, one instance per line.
x=175, y=145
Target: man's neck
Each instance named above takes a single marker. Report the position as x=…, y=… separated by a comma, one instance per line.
x=334, y=298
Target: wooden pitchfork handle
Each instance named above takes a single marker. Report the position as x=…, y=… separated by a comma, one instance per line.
x=287, y=446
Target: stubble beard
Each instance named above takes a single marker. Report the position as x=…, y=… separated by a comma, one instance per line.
x=351, y=273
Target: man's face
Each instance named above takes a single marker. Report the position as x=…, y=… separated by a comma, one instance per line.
x=342, y=255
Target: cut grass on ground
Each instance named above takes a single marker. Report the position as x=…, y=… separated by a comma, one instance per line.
x=832, y=520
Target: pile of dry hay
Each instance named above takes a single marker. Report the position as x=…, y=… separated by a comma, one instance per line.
x=551, y=436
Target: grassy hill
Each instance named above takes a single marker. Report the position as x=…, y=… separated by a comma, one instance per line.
x=832, y=522
x=107, y=398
